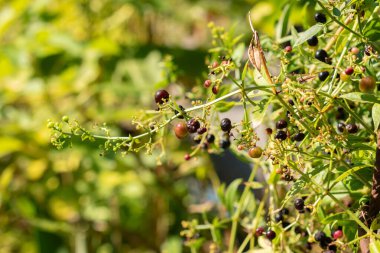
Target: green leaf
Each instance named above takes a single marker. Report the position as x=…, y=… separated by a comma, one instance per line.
x=374, y=246
x=350, y=172
x=372, y=29
x=254, y=185
x=259, y=112
x=376, y=116
x=224, y=106
x=304, y=36
x=361, y=97
x=245, y=71
x=282, y=25
x=231, y=194
x=335, y=217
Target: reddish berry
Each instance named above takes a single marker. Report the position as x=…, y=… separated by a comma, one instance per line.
x=270, y=234
x=349, y=71
x=161, y=96
x=240, y=147
x=255, y=152
x=180, y=130
x=214, y=64
x=337, y=234
x=355, y=50
x=225, y=125
x=259, y=231
x=215, y=89
x=288, y=49
x=202, y=130
x=187, y=157
x=207, y=83
x=269, y=131
x=367, y=84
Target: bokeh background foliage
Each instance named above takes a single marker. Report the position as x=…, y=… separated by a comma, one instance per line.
x=100, y=61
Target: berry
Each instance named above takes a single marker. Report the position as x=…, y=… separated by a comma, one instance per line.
x=349, y=71
x=355, y=50
x=337, y=234
x=367, y=84
x=180, y=130
x=341, y=126
x=341, y=114
x=281, y=124
x=225, y=125
x=182, y=112
x=344, y=77
x=352, y=128
x=210, y=138
x=313, y=41
x=202, y=130
x=278, y=217
x=323, y=75
x=215, y=89
x=161, y=96
x=288, y=49
x=269, y=131
x=193, y=125
x=320, y=17
x=255, y=152
x=368, y=50
x=291, y=102
x=281, y=135
x=284, y=211
x=299, y=204
x=187, y=157
x=214, y=64
x=270, y=234
x=299, y=137
x=259, y=231
x=320, y=236
x=224, y=144
x=321, y=55
x=207, y=83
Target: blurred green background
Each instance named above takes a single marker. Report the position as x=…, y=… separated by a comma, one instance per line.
x=99, y=61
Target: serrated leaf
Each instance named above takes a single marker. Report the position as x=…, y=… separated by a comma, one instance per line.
x=304, y=36
x=374, y=246
x=376, y=116
x=361, y=97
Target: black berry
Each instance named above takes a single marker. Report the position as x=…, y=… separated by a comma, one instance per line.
x=224, y=144
x=352, y=128
x=299, y=204
x=299, y=137
x=313, y=41
x=321, y=55
x=161, y=96
x=182, y=112
x=193, y=125
x=320, y=17
x=291, y=102
x=284, y=211
x=278, y=217
x=341, y=126
x=270, y=234
x=323, y=75
x=210, y=138
x=202, y=130
x=225, y=125
x=281, y=124
x=281, y=135
x=320, y=236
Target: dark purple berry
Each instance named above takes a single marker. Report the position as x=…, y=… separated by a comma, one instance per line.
x=320, y=17
x=210, y=138
x=193, y=125
x=281, y=124
x=321, y=55
x=323, y=75
x=320, y=236
x=299, y=204
x=224, y=144
x=352, y=128
x=270, y=234
x=278, y=217
x=313, y=41
x=259, y=231
x=161, y=96
x=281, y=135
x=291, y=102
x=202, y=130
x=299, y=137
x=349, y=71
x=182, y=112
x=225, y=125
x=341, y=126
x=284, y=211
